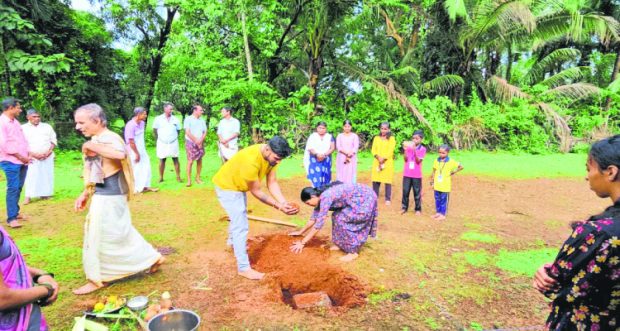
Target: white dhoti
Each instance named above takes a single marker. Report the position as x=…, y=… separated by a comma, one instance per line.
x=228, y=152
x=142, y=169
x=165, y=150
x=113, y=248
x=40, y=178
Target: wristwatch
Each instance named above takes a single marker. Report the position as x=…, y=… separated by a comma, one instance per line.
x=50, y=292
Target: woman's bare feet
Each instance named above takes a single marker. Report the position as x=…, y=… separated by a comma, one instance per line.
x=402, y=211
x=14, y=224
x=198, y=181
x=418, y=213
x=440, y=217
x=89, y=287
x=26, y=200
x=189, y=184
x=251, y=274
x=22, y=217
x=155, y=267
x=334, y=248
x=349, y=257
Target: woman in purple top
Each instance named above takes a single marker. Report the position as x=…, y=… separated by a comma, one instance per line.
x=354, y=216
x=22, y=290
x=347, y=144
x=412, y=172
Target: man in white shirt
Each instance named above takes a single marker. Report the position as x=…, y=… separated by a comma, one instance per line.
x=166, y=129
x=227, y=131
x=41, y=143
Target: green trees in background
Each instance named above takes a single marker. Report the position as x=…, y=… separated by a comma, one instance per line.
x=532, y=75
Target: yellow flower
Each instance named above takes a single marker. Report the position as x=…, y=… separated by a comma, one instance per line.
x=596, y=269
x=581, y=274
x=614, y=302
x=575, y=289
x=615, y=242
x=570, y=251
x=614, y=260
x=562, y=264
x=601, y=258
x=595, y=319
x=583, y=308
x=570, y=298
x=615, y=293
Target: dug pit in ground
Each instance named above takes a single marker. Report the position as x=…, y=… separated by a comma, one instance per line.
x=308, y=272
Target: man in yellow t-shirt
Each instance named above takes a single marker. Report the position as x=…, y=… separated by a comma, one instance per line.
x=441, y=180
x=244, y=172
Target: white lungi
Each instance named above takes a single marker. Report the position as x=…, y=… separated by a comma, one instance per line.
x=142, y=169
x=165, y=150
x=113, y=248
x=40, y=178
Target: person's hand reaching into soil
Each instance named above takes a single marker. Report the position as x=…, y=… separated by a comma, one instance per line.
x=297, y=247
x=542, y=281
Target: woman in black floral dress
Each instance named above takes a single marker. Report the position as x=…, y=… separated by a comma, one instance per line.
x=584, y=279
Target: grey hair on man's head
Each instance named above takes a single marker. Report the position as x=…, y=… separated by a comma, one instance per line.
x=95, y=112
x=168, y=104
x=138, y=110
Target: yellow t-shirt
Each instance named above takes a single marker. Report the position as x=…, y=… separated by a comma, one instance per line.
x=443, y=178
x=247, y=165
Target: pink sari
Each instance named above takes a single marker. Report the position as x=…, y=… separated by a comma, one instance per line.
x=16, y=276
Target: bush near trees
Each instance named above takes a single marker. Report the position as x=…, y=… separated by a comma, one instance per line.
x=518, y=75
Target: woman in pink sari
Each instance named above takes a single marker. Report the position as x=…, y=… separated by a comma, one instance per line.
x=347, y=144
x=23, y=290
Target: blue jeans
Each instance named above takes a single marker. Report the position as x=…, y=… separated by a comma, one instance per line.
x=235, y=203
x=15, y=178
x=441, y=202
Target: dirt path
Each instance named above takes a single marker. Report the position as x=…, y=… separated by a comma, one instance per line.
x=452, y=270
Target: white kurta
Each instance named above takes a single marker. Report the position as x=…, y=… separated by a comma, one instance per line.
x=142, y=169
x=40, y=175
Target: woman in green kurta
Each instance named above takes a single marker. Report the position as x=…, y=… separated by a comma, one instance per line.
x=383, y=164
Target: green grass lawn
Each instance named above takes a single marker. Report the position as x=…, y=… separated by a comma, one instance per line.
x=68, y=183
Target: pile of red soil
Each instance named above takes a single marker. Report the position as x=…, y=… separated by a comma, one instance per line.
x=308, y=271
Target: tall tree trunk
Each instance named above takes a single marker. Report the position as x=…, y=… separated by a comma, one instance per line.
x=509, y=65
x=246, y=46
x=314, y=69
x=156, y=59
x=614, y=75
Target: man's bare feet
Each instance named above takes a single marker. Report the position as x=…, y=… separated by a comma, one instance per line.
x=14, y=224
x=189, y=184
x=22, y=217
x=89, y=287
x=402, y=211
x=179, y=180
x=155, y=267
x=251, y=274
x=434, y=216
x=349, y=257
x=440, y=217
x=150, y=189
x=161, y=180
x=418, y=213
x=26, y=200
x=198, y=181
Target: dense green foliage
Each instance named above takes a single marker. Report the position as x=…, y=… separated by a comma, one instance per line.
x=534, y=76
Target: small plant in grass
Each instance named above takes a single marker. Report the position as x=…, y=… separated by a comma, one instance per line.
x=432, y=323
x=480, y=237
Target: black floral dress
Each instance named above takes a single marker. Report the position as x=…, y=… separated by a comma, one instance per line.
x=587, y=269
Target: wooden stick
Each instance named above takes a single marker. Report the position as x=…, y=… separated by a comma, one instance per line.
x=271, y=220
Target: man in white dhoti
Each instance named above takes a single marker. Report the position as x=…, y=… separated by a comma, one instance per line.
x=134, y=138
x=41, y=143
x=227, y=131
x=166, y=129
x=113, y=248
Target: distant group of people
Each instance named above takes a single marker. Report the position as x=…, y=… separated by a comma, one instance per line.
x=583, y=282
x=318, y=164
x=166, y=128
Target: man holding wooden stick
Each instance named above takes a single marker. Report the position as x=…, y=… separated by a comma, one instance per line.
x=244, y=172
